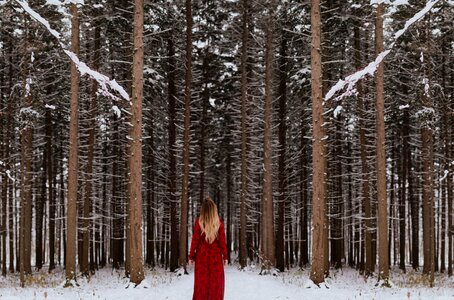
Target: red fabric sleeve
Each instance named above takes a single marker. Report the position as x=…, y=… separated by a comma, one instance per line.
x=222, y=242
x=195, y=240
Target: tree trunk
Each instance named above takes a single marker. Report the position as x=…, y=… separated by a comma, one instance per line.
x=282, y=147
x=39, y=215
x=367, y=227
x=87, y=205
x=268, y=250
x=71, y=215
x=172, y=94
x=406, y=168
x=381, y=155
x=134, y=228
x=26, y=170
x=318, y=152
x=187, y=120
x=427, y=118
x=3, y=167
x=244, y=192
x=51, y=193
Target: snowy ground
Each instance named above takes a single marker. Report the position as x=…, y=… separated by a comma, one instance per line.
x=247, y=285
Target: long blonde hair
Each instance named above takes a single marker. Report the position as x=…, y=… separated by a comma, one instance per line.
x=209, y=220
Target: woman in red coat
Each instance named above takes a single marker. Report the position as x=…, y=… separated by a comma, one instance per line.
x=209, y=252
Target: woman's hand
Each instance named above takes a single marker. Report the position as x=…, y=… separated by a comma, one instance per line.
x=226, y=262
x=191, y=262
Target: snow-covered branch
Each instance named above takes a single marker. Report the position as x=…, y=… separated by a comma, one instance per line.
x=351, y=80
x=104, y=82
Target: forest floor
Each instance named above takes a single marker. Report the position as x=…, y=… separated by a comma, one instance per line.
x=247, y=285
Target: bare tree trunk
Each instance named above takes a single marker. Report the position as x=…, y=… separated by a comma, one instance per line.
x=318, y=151
x=282, y=149
x=187, y=120
x=381, y=155
x=426, y=114
x=406, y=168
x=51, y=194
x=244, y=192
x=26, y=170
x=87, y=205
x=3, y=167
x=71, y=215
x=134, y=227
x=268, y=250
x=368, y=266
x=172, y=181
x=39, y=215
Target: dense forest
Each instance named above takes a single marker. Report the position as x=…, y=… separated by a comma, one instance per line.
x=323, y=130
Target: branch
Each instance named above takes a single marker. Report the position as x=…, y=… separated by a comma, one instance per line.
x=103, y=81
x=351, y=80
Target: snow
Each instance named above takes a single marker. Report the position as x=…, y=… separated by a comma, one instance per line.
x=50, y=106
x=60, y=3
x=337, y=111
x=8, y=173
x=401, y=107
x=116, y=111
x=351, y=80
x=240, y=285
x=103, y=81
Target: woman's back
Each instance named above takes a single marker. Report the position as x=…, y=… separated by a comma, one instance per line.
x=209, y=255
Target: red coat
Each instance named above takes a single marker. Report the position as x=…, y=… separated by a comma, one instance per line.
x=209, y=267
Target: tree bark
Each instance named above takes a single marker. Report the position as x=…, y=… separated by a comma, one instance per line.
x=282, y=149
x=134, y=229
x=71, y=215
x=381, y=155
x=267, y=240
x=244, y=157
x=318, y=152
x=87, y=205
x=368, y=266
x=187, y=120
x=427, y=118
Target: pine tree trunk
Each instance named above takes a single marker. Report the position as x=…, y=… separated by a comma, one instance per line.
x=51, y=193
x=71, y=215
x=87, y=204
x=406, y=168
x=267, y=240
x=172, y=181
x=3, y=167
x=187, y=119
x=39, y=215
x=172, y=261
x=427, y=161
x=26, y=169
x=367, y=227
x=381, y=155
x=318, y=152
x=244, y=192
x=282, y=147
x=134, y=226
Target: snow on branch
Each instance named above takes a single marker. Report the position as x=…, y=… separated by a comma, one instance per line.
x=103, y=81
x=351, y=80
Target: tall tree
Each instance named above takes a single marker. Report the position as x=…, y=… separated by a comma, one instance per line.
x=267, y=239
x=187, y=119
x=244, y=174
x=71, y=215
x=134, y=226
x=318, y=151
x=368, y=266
x=426, y=118
x=381, y=154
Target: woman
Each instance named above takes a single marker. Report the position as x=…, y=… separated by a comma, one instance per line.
x=208, y=251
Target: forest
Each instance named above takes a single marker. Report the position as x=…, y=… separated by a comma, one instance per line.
x=322, y=129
